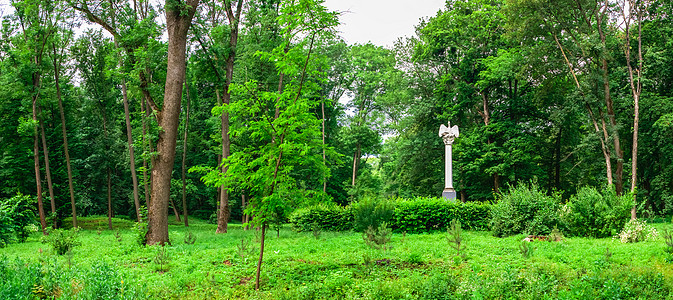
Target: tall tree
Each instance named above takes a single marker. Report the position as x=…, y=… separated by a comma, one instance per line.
x=178, y=19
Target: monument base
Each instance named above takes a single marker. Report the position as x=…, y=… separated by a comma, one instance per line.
x=449, y=194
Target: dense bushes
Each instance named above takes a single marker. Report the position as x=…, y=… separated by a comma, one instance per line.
x=425, y=214
x=525, y=209
x=16, y=214
x=413, y=215
x=329, y=217
x=590, y=213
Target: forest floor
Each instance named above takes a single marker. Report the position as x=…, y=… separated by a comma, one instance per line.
x=110, y=264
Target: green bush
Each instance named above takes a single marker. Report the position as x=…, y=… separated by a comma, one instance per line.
x=427, y=214
x=62, y=240
x=16, y=214
x=525, y=209
x=372, y=212
x=324, y=217
x=591, y=213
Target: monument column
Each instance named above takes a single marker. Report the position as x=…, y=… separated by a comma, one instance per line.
x=448, y=134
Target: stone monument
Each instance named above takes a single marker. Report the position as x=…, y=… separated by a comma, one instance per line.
x=448, y=134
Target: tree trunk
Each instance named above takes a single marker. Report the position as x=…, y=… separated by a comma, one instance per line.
x=175, y=211
x=261, y=256
x=233, y=17
x=184, y=158
x=178, y=20
x=147, y=146
x=36, y=160
x=619, y=153
x=47, y=168
x=109, y=200
x=65, y=140
x=356, y=164
x=324, y=157
x=223, y=216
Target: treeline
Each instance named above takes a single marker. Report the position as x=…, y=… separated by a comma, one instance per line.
x=215, y=108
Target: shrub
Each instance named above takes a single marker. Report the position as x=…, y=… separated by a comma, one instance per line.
x=372, y=212
x=525, y=209
x=591, y=213
x=636, y=231
x=425, y=214
x=325, y=217
x=62, y=240
x=377, y=237
x=16, y=214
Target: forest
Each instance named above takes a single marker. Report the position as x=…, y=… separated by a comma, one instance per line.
x=247, y=112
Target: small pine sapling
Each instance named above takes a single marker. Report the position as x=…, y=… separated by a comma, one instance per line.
x=118, y=235
x=315, y=229
x=377, y=238
x=525, y=249
x=162, y=258
x=454, y=237
x=555, y=235
x=190, y=238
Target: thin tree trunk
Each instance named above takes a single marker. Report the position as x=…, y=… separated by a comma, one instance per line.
x=234, y=18
x=132, y=159
x=261, y=256
x=324, y=157
x=223, y=216
x=184, y=158
x=178, y=20
x=175, y=211
x=36, y=159
x=636, y=89
x=65, y=140
x=147, y=147
x=356, y=164
x=47, y=168
x=109, y=200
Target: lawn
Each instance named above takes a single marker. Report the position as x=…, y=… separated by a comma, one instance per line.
x=109, y=264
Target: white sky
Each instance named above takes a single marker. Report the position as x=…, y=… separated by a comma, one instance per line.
x=381, y=21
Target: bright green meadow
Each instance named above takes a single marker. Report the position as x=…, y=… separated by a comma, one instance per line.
x=336, y=265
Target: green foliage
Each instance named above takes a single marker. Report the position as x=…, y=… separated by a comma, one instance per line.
x=439, y=286
x=162, y=258
x=525, y=249
x=326, y=217
x=525, y=209
x=372, y=212
x=61, y=240
x=637, y=230
x=596, y=214
x=190, y=238
x=377, y=237
x=454, y=237
x=423, y=214
x=140, y=231
x=16, y=214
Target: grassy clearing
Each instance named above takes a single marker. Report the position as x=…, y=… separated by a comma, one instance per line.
x=337, y=265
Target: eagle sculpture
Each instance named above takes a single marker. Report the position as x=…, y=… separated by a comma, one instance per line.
x=448, y=133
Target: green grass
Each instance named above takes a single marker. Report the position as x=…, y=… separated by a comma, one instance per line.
x=297, y=266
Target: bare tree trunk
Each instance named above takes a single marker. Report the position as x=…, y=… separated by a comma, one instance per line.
x=65, y=140
x=36, y=159
x=636, y=90
x=175, y=211
x=324, y=157
x=261, y=256
x=234, y=18
x=356, y=164
x=223, y=216
x=47, y=168
x=109, y=200
x=178, y=20
x=184, y=158
x=147, y=147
